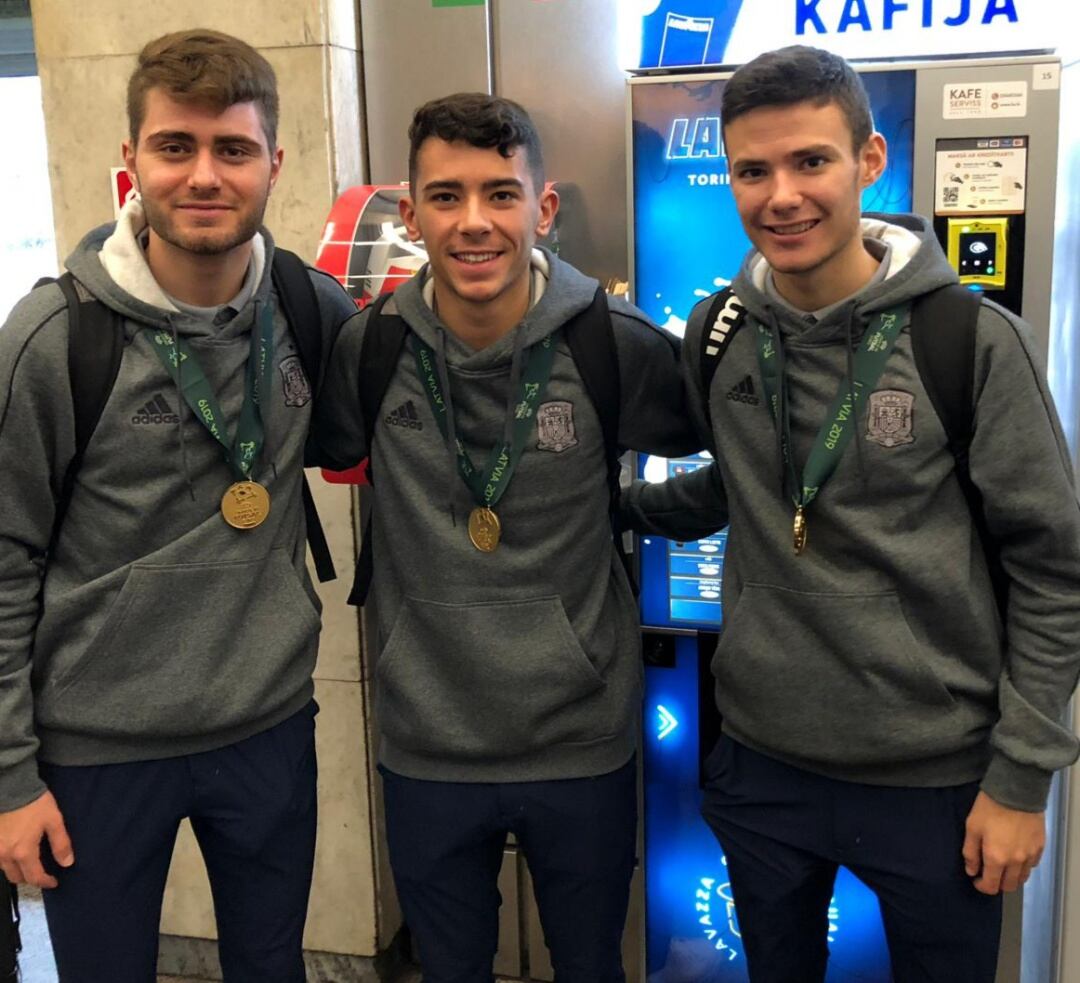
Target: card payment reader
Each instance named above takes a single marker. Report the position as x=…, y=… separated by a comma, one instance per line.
x=977, y=251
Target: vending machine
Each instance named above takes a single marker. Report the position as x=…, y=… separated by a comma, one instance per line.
x=972, y=143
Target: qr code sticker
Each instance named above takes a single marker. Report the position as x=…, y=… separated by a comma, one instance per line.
x=950, y=196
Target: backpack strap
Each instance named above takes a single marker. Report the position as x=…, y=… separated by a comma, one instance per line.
x=316, y=535
x=10, y=942
x=725, y=316
x=384, y=337
x=95, y=348
x=944, y=324
x=301, y=307
x=590, y=336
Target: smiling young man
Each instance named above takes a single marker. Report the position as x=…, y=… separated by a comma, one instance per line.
x=882, y=707
x=508, y=663
x=158, y=628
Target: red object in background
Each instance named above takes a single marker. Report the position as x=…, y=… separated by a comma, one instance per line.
x=394, y=278
x=339, y=233
x=122, y=189
x=364, y=246
x=351, y=476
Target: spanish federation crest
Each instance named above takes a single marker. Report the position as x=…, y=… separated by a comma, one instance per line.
x=297, y=387
x=555, y=425
x=889, y=417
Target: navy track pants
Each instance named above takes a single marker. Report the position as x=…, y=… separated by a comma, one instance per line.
x=252, y=807
x=786, y=831
x=578, y=835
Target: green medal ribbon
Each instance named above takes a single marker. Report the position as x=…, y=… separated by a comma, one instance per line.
x=839, y=426
x=183, y=366
x=487, y=486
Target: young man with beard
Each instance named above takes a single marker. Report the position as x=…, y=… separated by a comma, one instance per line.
x=882, y=709
x=157, y=639
x=508, y=661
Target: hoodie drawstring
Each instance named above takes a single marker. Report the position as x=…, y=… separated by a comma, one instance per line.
x=849, y=350
x=517, y=360
x=180, y=415
x=782, y=403
x=856, y=318
x=516, y=368
x=451, y=426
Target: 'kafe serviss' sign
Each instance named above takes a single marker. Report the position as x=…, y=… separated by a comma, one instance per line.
x=675, y=33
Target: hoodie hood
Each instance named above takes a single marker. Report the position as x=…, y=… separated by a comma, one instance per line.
x=559, y=292
x=916, y=266
x=110, y=262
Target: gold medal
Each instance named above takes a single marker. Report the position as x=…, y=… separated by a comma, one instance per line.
x=799, y=530
x=484, y=529
x=245, y=505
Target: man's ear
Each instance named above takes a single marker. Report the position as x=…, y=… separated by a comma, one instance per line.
x=407, y=211
x=276, y=157
x=873, y=159
x=549, y=208
x=127, y=151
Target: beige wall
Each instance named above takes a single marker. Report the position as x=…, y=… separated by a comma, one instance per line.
x=86, y=51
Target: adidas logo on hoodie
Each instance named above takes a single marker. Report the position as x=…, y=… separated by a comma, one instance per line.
x=404, y=416
x=743, y=392
x=157, y=411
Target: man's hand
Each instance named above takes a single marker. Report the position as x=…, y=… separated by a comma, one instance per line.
x=21, y=833
x=1002, y=845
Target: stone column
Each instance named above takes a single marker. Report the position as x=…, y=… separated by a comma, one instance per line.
x=86, y=51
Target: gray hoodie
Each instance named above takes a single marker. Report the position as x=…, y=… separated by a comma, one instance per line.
x=879, y=655
x=154, y=629
x=523, y=664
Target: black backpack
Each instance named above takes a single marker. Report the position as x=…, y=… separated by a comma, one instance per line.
x=943, y=328
x=591, y=339
x=96, y=346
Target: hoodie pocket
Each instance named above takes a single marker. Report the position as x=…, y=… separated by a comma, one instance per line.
x=189, y=649
x=485, y=681
x=834, y=678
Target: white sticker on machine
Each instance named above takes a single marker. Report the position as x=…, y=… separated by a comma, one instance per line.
x=981, y=175
x=984, y=100
x=1046, y=76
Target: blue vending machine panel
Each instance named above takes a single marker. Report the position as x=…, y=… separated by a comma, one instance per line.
x=692, y=925
x=680, y=582
x=689, y=243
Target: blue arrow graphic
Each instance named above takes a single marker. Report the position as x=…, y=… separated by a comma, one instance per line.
x=667, y=722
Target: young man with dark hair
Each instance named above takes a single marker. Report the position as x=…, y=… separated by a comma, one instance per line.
x=882, y=709
x=508, y=666
x=158, y=627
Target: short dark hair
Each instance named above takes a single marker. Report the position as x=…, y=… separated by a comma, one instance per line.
x=479, y=120
x=206, y=68
x=797, y=74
